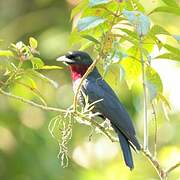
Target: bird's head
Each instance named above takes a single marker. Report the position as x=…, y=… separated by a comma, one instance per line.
x=78, y=61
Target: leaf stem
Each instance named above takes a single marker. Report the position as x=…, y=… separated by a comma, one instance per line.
x=156, y=130
x=145, y=97
x=13, y=75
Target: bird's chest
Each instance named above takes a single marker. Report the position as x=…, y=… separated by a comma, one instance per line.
x=88, y=93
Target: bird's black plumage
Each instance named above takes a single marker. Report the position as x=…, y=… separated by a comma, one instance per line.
x=109, y=107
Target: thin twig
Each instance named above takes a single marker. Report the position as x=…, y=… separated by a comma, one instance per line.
x=13, y=75
x=111, y=12
x=89, y=70
x=145, y=97
x=162, y=174
x=156, y=130
x=47, y=108
x=173, y=167
x=34, y=90
x=94, y=123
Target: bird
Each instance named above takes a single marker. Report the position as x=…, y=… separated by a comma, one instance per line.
x=109, y=107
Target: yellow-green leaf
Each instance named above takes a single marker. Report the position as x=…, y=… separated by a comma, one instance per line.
x=6, y=53
x=167, y=9
x=33, y=42
x=132, y=70
x=169, y=56
x=51, y=67
x=153, y=82
x=37, y=63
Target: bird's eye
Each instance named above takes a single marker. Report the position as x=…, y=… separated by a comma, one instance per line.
x=78, y=58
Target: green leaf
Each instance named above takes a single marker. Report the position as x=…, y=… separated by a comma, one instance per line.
x=153, y=82
x=167, y=9
x=169, y=56
x=6, y=53
x=156, y=29
x=79, y=8
x=172, y=49
x=164, y=100
x=86, y=46
x=140, y=21
x=51, y=67
x=33, y=42
x=91, y=38
x=130, y=33
x=170, y=2
x=132, y=70
x=93, y=3
x=89, y=22
x=128, y=38
x=43, y=77
x=137, y=5
x=37, y=63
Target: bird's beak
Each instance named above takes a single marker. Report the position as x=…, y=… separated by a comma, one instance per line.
x=64, y=59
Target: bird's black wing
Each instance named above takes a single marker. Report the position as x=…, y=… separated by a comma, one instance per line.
x=110, y=107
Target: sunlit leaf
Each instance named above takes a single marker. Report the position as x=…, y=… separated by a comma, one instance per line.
x=93, y=3
x=170, y=2
x=91, y=38
x=43, y=77
x=33, y=42
x=132, y=70
x=33, y=83
x=121, y=73
x=137, y=5
x=156, y=29
x=164, y=100
x=128, y=38
x=167, y=9
x=51, y=67
x=130, y=33
x=139, y=20
x=6, y=53
x=37, y=63
x=86, y=46
x=153, y=82
x=169, y=56
x=79, y=8
x=89, y=22
x=172, y=49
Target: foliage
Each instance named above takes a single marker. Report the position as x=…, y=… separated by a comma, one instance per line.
x=122, y=36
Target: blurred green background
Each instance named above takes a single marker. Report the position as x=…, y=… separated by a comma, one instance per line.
x=27, y=150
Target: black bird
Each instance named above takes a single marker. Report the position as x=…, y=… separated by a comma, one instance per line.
x=96, y=88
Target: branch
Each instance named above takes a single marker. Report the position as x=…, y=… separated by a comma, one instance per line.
x=89, y=70
x=145, y=98
x=101, y=128
x=47, y=108
x=162, y=174
x=173, y=167
x=156, y=130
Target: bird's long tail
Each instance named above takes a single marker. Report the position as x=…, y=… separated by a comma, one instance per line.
x=126, y=150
